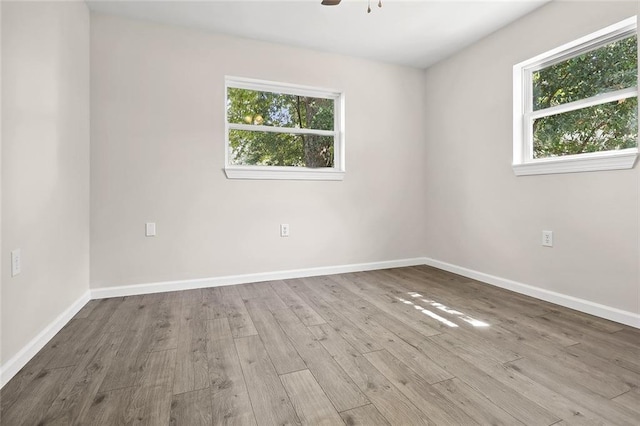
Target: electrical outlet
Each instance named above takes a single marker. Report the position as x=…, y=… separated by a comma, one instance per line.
x=150, y=229
x=547, y=238
x=16, y=262
x=284, y=229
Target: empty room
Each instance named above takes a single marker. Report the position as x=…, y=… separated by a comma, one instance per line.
x=319, y=212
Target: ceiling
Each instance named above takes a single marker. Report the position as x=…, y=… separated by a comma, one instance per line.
x=413, y=33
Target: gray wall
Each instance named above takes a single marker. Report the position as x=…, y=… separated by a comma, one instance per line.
x=482, y=217
x=45, y=164
x=157, y=134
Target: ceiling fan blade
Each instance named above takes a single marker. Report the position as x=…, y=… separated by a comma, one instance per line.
x=330, y=2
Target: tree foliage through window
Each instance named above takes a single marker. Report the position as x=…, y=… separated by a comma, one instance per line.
x=290, y=117
x=604, y=127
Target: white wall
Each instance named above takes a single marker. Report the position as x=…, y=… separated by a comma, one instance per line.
x=45, y=165
x=1, y=252
x=157, y=134
x=481, y=217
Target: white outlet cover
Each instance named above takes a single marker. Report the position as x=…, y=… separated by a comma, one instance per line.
x=150, y=229
x=16, y=262
x=547, y=238
x=284, y=230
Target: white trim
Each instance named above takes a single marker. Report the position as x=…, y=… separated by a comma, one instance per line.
x=288, y=173
x=614, y=314
x=282, y=173
x=280, y=87
x=274, y=129
x=13, y=366
x=520, y=93
x=586, y=306
x=583, y=44
x=603, y=98
x=19, y=360
x=523, y=115
x=596, y=161
x=130, y=290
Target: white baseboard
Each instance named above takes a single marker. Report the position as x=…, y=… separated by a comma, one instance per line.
x=19, y=360
x=11, y=367
x=147, y=288
x=582, y=305
x=599, y=310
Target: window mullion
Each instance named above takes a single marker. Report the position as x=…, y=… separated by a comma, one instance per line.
x=275, y=129
x=585, y=103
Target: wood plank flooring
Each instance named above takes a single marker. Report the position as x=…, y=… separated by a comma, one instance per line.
x=401, y=346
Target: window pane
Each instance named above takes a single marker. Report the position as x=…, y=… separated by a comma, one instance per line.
x=605, y=127
x=276, y=109
x=606, y=69
x=251, y=148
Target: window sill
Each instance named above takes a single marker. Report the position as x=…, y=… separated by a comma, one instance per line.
x=616, y=160
x=282, y=173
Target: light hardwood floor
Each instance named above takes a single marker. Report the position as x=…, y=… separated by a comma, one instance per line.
x=401, y=346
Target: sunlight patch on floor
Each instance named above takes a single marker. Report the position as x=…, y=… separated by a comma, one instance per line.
x=466, y=318
x=428, y=312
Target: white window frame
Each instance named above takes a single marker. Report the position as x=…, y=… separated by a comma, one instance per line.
x=523, y=114
x=336, y=172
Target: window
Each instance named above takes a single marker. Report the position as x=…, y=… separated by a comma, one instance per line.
x=283, y=131
x=576, y=107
